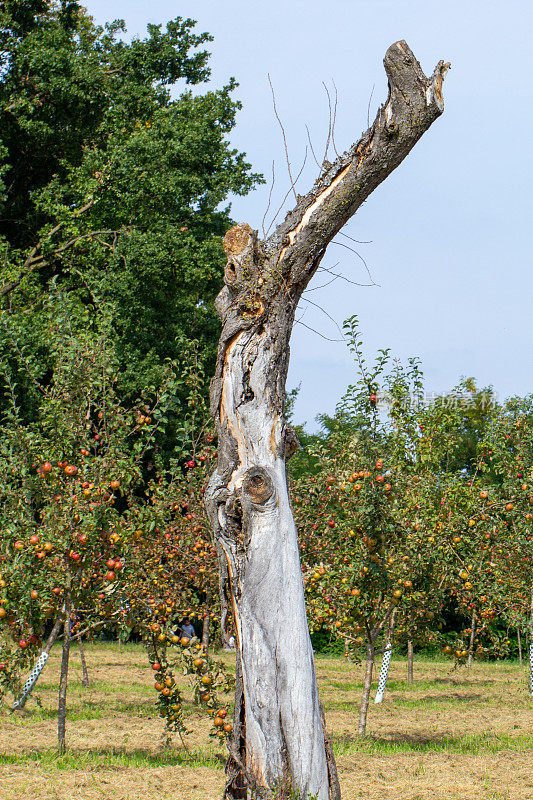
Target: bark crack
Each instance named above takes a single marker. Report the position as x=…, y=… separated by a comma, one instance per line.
x=247, y=391
x=236, y=779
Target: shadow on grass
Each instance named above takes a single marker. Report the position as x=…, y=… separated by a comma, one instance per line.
x=422, y=742
x=454, y=682
x=452, y=697
x=115, y=758
x=89, y=709
x=403, y=686
x=423, y=702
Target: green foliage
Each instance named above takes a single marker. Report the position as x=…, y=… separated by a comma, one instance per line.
x=365, y=563
x=92, y=522
x=418, y=510
x=111, y=185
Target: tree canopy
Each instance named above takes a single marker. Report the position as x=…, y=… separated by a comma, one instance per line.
x=112, y=178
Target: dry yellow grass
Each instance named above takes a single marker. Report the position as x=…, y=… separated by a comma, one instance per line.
x=463, y=735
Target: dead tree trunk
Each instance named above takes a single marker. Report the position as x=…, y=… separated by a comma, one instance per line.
x=278, y=728
x=224, y=592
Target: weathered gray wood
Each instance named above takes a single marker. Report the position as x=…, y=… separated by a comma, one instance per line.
x=278, y=725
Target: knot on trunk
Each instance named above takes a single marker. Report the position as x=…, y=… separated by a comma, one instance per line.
x=257, y=485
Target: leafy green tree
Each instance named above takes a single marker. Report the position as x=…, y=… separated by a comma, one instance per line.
x=91, y=533
x=111, y=183
x=368, y=562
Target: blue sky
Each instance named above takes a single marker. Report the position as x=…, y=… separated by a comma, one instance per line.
x=448, y=232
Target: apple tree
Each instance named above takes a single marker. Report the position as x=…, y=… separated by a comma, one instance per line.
x=113, y=172
x=369, y=563
x=84, y=491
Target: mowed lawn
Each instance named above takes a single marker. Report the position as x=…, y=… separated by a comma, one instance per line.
x=454, y=735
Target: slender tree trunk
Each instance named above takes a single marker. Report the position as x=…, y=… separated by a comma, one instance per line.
x=519, y=646
x=531, y=647
x=63, y=681
x=367, y=688
x=205, y=631
x=278, y=726
x=85, y=679
x=531, y=665
x=37, y=668
x=472, y=636
x=410, y=662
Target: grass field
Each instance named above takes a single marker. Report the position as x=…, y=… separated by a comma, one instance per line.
x=454, y=735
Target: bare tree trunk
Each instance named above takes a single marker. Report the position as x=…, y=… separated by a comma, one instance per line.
x=205, y=631
x=280, y=726
x=410, y=662
x=63, y=681
x=531, y=647
x=85, y=679
x=531, y=665
x=519, y=646
x=472, y=636
x=38, y=667
x=367, y=688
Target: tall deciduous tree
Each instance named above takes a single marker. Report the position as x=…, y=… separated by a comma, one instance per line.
x=279, y=735
x=111, y=182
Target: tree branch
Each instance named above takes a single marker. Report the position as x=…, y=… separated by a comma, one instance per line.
x=36, y=261
x=413, y=104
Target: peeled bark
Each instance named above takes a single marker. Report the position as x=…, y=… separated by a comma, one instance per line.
x=278, y=726
x=224, y=592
